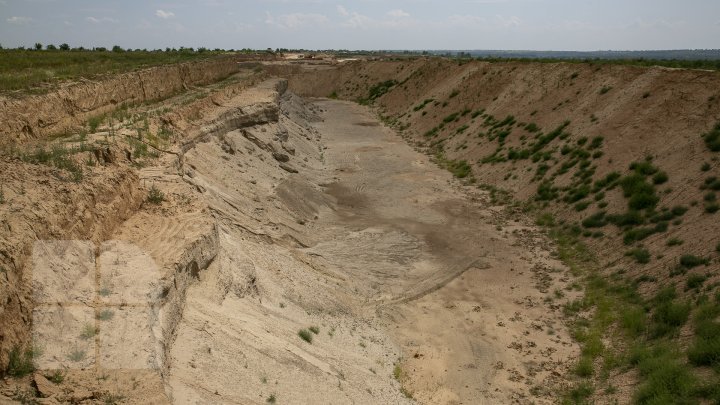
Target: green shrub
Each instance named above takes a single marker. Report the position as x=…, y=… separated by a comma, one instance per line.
x=667, y=381
x=305, y=335
x=690, y=261
x=640, y=255
x=641, y=194
x=21, y=362
x=712, y=138
x=705, y=350
x=674, y=242
x=314, y=329
x=596, y=220
x=459, y=168
x=633, y=321
x=644, y=168
x=605, y=89
x=705, y=167
x=669, y=316
x=630, y=218
x=660, y=177
x=450, y=118
x=381, y=88
x=582, y=206
x=695, y=281
x=712, y=208
x=155, y=196
x=596, y=142
x=584, y=367
x=580, y=393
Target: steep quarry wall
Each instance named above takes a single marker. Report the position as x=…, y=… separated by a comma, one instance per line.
x=41, y=116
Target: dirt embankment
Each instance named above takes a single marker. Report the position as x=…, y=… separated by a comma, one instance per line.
x=68, y=109
x=88, y=186
x=494, y=117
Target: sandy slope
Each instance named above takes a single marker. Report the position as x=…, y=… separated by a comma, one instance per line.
x=281, y=215
x=371, y=242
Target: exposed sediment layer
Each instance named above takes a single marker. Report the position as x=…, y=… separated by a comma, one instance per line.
x=66, y=109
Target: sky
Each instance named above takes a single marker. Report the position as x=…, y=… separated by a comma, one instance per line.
x=582, y=25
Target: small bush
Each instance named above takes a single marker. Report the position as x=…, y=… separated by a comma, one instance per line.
x=605, y=89
x=695, y=281
x=640, y=255
x=584, y=367
x=712, y=138
x=669, y=316
x=305, y=335
x=580, y=393
x=705, y=167
x=89, y=331
x=674, y=242
x=155, y=196
x=633, y=321
x=21, y=362
x=450, y=118
x=56, y=377
x=712, y=208
x=690, y=261
x=314, y=329
x=660, y=177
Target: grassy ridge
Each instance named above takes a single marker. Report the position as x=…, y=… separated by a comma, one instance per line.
x=39, y=70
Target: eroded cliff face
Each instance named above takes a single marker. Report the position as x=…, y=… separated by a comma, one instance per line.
x=67, y=109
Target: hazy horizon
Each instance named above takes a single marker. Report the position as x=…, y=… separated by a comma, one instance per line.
x=533, y=25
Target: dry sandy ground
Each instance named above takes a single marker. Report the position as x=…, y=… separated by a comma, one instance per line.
x=406, y=276
x=316, y=217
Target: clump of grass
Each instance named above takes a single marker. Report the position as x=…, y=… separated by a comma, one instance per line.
x=94, y=122
x=305, y=335
x=314, y=329
x=56, y=377
x=605, y=89
x=105, y=315
x=77, y=355
x=712, y=138
x=640, y=255
x=705, y=167
x=155, y=196
x=674, y=242
x=695, y=281
x=21, y=362
x=89, y=331
x=660, y=177
x=712, y=208
x=271, y=399
x=690, y=261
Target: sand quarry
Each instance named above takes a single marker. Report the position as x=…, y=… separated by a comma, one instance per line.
x=302, y=252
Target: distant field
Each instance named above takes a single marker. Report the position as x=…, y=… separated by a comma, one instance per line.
x=39, y=71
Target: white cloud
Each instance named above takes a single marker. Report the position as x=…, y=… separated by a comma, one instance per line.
x=164, y=14
x=343, y=11
x=18, y=20
x=295, y=20
x=100, y=20
x=398, y=14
